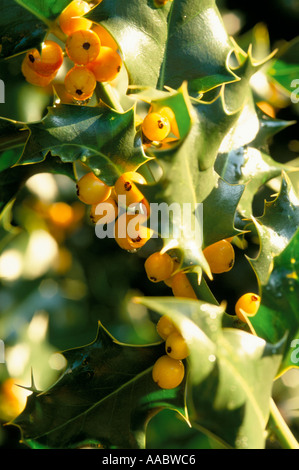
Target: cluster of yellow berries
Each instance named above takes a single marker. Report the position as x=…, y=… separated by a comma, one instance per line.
x=130, y=230
x=169, y=370
x=89, y=46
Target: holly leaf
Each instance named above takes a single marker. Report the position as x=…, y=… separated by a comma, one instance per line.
x=13, y=136
x=102, y=138
x=230, y=372
x=243, y=157
x=156, y=31
x=219, y=211
x=275, y=228
x=278, y=315
x=48, y=10
x=20, y=29
x=284, y=71
x=106, y=387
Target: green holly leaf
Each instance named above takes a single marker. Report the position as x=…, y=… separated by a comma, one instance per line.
x=219, y=211
x=278, y=315
x=174, y=40
x=102, y=138
x=106, y=387
x=275, y=228
x=243, y=157
x=20, y=29
x=48, y=10
x=230, y=372
x=13, y=136
x=284, y=71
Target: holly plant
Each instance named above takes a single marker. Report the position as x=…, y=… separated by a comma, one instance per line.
x=150, y=110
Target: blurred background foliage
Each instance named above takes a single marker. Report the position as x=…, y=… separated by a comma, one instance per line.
x=57, y=279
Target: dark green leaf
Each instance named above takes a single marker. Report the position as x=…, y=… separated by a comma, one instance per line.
x=183, y=40
x=219, y=210
x=285, y=69
x=46, y=10
x=275, y=228
x=13, y=136
x=105, y=395
x=20, y=30
x=100, y=137
x=278, y=315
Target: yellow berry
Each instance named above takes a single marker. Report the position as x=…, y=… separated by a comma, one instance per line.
x=169, y=114
x=35, y=78
x=80, y=83
x=155, y=127
x=104, y=212
x=91, y=190
x=168, y=372
x=83, y=46
x=105, y=37
x=181, y=286
x=61, y=214
x=249, y=304
x=158, y=266
x=71, y=20
x=220, y=256
x=165, y=327
x=176, y=346
x=107, y=65
x=49, y=61
x=130, y=231
x=125, y=186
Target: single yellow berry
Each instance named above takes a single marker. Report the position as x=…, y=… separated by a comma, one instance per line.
x=165, y=327
x=91, y=190
x=83, y=46
x=168, y=372
x=49, y=61
x=105, y=37
x=181, y=286
x=155, y=127
x=220, y=256
x=107, y=65
x=176, y=346
x=249, y=304
x=71, y=20
x=61, y=214
x=169, y=114
x=158, y=266
x=104, y=212
x=35, y=78
x=80, y=83
x=125, y=186
x=130, y=231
